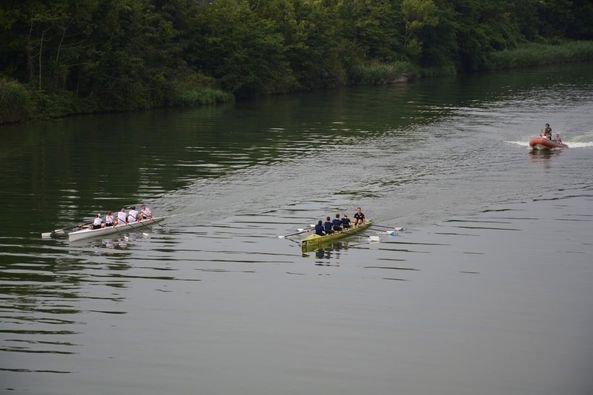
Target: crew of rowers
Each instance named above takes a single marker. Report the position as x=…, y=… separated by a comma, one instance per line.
x=338, y=224
x=122, y=217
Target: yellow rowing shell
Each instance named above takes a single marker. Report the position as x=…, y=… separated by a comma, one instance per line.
x=314, y=241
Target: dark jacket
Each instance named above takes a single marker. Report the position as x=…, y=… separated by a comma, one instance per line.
x=319, y=230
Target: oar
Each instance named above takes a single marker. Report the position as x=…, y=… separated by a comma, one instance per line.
x=46, y=235
x=296, y=233
x=398, y=228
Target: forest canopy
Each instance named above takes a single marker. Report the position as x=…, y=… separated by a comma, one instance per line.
x=116, y=55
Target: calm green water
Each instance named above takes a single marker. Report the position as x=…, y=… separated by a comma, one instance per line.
x=486, y=291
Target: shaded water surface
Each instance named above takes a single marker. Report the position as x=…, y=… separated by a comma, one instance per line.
x=486, y=290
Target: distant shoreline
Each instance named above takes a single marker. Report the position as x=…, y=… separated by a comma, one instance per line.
x=21, y=104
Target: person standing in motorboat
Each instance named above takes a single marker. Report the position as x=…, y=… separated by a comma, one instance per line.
x=547, y=132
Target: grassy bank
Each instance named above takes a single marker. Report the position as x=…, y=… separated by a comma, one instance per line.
x=532, y=54
x=19, y=103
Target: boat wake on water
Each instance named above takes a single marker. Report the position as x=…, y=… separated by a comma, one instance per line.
x=570, y=144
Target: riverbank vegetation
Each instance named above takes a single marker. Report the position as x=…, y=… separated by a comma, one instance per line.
x=64, y=57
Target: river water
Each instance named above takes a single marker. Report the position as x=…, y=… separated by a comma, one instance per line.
x=487, y=290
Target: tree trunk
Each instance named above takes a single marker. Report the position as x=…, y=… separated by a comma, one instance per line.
x=41, y=56
x=28, y=54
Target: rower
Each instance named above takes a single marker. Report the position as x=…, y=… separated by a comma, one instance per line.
x=345, y=221
x=109, y=219
x=97, y=222
x=337, y=223
x=327, y=226
x=122, y=217
x=319, y=228
x=132, y=215
x=358, y=217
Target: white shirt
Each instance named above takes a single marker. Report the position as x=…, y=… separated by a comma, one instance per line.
x=121, y=217
x=146, y=212
x=132, y=214
x=109, y=219
x=97, y=221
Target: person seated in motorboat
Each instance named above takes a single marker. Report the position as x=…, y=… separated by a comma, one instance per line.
x=319, y=228
x=358, y=217
x=132, y=215
x=109, y=219
x=328, y=226
x=122, y=217
x=337, y=224
x=97, y=223
x=145, y=213
x=558, y=139
x=547, y=132
x=345, y=221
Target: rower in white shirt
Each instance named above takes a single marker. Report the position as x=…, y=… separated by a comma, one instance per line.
x=109, y=219
x=132, y=215
x=122, y=217
x=97, y=222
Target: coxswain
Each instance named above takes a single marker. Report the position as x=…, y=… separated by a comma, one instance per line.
x=337, y=223
x=145, y=213
x=358, y=217
x=109, y=219
x=132, y=215
x=319, y=228
x=97, y=222
x=122, y=217
x=345, y=221
x=327, y=226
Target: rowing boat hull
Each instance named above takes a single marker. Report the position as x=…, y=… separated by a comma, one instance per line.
x=88, y=233
x=541, y=143
x=314, y=241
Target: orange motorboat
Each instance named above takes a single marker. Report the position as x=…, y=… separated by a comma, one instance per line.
x=541, y=142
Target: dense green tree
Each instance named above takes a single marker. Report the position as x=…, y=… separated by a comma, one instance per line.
x=244, y=52
x=126, y=54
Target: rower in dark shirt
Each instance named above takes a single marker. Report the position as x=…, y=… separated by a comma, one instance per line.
x=337, y=223
x=319, y=228
x=345, y=221
x=327, y=226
